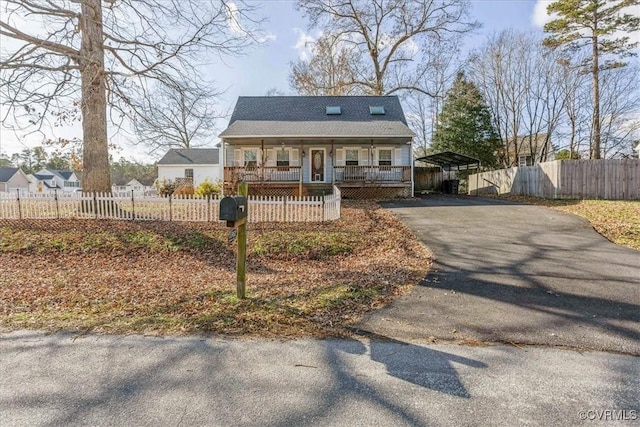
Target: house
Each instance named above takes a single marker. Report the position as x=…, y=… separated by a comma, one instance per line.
x=133, y=186
x=13, y=179
x=638, y=149
x=300, y=145
x=190, y=166
x=529, y=150
x=50, y=180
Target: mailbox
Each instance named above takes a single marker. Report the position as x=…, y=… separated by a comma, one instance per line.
x=233, y=209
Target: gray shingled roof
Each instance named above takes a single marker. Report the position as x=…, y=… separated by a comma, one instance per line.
x=191, y=156
x=267, y=129
x=7, y=173
x=293, y=116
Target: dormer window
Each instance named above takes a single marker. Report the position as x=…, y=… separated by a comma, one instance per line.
x=376, y=110
x=333, y=111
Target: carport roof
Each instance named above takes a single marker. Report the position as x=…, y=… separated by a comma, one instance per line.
x=447, y=159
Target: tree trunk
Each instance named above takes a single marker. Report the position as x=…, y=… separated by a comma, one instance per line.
x=95, y=174
x=595, y=145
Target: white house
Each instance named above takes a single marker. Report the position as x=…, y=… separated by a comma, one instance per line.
x=134, y=186
x=190, y=166
x=12, y=179
x=308, y=144
x=50, y=180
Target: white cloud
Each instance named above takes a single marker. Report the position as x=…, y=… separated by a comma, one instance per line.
x=304, y=43
x=233, y=14
x=540, y=16
x=268, y=36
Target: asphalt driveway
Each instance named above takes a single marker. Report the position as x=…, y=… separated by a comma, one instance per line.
x=514, y=273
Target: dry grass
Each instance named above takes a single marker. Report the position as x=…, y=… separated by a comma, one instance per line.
x=156, y=278
x=617, y=220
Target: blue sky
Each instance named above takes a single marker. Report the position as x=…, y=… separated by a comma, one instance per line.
x=266, y=67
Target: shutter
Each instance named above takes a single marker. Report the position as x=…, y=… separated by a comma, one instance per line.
x=363, y=158
x=376, y=158
x=397, y=157
x=340, y=161
x=294, y=157
x=237, y=157
x=271, y=157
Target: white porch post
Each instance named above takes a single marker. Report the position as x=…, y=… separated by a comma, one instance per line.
x=412, y=163
x=222, y=162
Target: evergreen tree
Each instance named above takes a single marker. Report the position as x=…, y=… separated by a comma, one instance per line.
x=595, y=24
x=465, y=125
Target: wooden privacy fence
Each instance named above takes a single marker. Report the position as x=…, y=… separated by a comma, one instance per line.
x=175, y=208
x=564, y=179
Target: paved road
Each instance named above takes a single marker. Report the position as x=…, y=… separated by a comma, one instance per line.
x=65, y=380
x=507, y=272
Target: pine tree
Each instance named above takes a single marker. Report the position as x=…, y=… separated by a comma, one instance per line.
x=596, y=24
x=465, y=125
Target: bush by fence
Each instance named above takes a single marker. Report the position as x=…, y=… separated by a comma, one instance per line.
x=564, y=179
x=174, y=208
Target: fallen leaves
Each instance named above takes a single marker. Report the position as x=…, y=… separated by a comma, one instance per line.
x=617, y=220
x=152, y=277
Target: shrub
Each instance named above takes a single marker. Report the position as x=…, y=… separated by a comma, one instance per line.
x=208, y=188
x=165, y=187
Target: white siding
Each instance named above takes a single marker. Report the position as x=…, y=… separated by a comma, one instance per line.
x=201, y=173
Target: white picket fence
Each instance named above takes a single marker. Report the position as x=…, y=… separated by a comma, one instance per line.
x=176, y=208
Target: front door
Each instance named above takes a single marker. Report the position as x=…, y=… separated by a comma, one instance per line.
x=317, y=165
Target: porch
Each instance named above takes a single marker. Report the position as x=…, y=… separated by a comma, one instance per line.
x=339, y=174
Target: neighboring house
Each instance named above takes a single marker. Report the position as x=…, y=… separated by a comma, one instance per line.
x=190, y=166
x=530, y=149
x=13, y=179
x=134, y=186
x=305, y=144
x=50, y=180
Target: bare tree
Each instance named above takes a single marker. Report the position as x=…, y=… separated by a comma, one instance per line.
x=619, y=111
x=331, y=70
x=522, y=83
x=389, y=36
x=594, y=24
x=57, y=53
x=176, y=117
x=443, y=62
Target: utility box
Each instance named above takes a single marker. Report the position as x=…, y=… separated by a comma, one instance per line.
x=233, y=209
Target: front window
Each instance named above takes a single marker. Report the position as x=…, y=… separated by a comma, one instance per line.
x=282, y=158
x=384, y=157
x=188, y=173
x=351, y=157
x=251, y=158
x=71, y=184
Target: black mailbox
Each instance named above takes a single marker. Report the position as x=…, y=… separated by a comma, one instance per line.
x=233, y=209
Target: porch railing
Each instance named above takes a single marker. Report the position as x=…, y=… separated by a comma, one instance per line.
x=262, y=173
x=372, y=173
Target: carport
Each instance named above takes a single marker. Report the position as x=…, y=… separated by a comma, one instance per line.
x=448, y=160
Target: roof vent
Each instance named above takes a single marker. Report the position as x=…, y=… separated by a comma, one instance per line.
x=377, y=110
x=333, y=111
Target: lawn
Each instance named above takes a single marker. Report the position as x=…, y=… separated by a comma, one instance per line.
x=312, y=279
x=617, y=220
